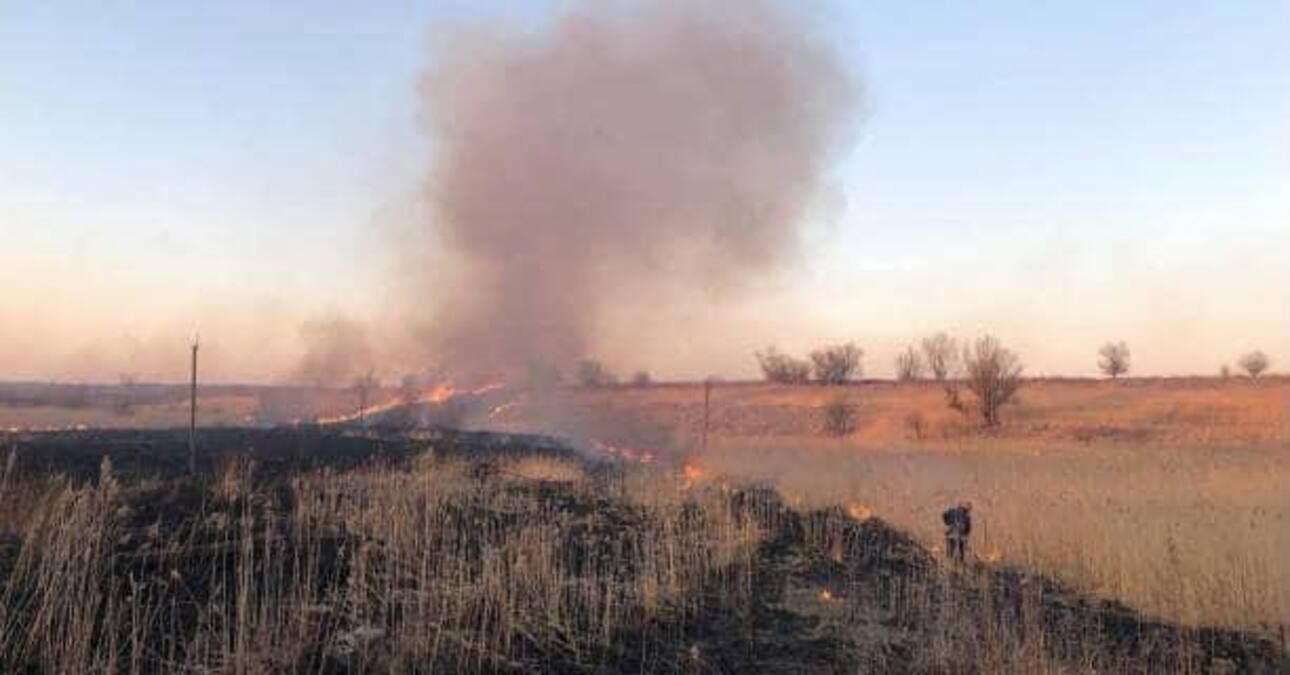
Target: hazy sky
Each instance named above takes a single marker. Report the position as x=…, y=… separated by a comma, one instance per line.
x=1056, y=175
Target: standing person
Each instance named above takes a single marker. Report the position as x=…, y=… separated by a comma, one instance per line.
x=958, y=525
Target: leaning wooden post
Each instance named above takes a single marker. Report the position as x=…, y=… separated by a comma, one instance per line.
x=192, y=415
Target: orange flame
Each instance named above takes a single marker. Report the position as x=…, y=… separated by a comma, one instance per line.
x=358, y=414
x=485, y=388
x=624, y=452
x=442, y=392
x=497, y=410
x=827, y=596
x=691, y=472
x=859, y=511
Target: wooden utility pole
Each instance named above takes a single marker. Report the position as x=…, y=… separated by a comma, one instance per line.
x=707, y=399
x=362, y=406
x=192, y=415
x=365, y=384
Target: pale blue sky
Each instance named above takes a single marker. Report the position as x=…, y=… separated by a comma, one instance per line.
x=1058, y=173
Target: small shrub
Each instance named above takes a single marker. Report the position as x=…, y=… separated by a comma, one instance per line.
x=839, y=418
x=914, y=425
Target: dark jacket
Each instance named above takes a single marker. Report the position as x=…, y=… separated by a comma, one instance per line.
x=958, y=521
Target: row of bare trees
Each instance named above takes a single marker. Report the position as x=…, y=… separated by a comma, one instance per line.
x=939, y=354
x=831, y=365
x=985, y=368
x=1113, y=360
x=593, y=374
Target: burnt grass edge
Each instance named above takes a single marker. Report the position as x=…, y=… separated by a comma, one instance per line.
x=887, y=594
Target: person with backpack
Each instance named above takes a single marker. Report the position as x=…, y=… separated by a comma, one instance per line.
x=958, y=526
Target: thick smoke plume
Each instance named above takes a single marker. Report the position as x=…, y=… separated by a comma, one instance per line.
x=337, y=352
x=622, y=148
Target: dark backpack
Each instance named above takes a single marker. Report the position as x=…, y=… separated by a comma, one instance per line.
x=958, y=520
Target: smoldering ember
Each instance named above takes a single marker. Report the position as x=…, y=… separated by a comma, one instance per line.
x=643, y=337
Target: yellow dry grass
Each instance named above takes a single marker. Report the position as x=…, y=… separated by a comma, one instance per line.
x=1196, y=534
x=433, y=563
x=1162, y=411
x=1170, y=494
x=437, y=567
x=546, y=469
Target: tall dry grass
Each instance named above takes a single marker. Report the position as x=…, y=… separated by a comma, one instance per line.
x=538, y=563
x=437, y=567
x=1194, y=534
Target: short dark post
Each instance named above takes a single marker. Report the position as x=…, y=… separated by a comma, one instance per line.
x=192, y=415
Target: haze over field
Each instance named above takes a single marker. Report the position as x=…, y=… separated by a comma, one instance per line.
x=281, y=179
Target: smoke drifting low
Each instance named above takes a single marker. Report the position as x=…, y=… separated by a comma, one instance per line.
x=623, y=147
x=337, y=351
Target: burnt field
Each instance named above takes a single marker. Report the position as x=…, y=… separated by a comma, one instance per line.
x=326, y=550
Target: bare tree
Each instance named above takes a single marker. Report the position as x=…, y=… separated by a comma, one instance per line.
x=782, y=368
x=941, y=356
x=1254, y=363
x=641, y=379
x=909, y=365
x=836, y=364
x=1113, y=359
x=941, y=352
x=592, y=373
x=993, y=374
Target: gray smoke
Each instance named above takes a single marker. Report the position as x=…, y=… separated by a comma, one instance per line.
x=337, y=352
x=622, y=147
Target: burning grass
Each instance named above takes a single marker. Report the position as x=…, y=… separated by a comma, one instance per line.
x=1195, y=534
x=1169, y=494
x=541, y=562
x=534, y=565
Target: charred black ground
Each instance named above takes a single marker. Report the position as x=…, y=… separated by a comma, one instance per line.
x=826, y=592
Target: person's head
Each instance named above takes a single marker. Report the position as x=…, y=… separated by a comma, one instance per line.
x=965, y=505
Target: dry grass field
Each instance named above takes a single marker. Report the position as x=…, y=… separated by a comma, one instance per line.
x=470, y=556
x=219, y=408
x=1170, y=494
x=1176, y=411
